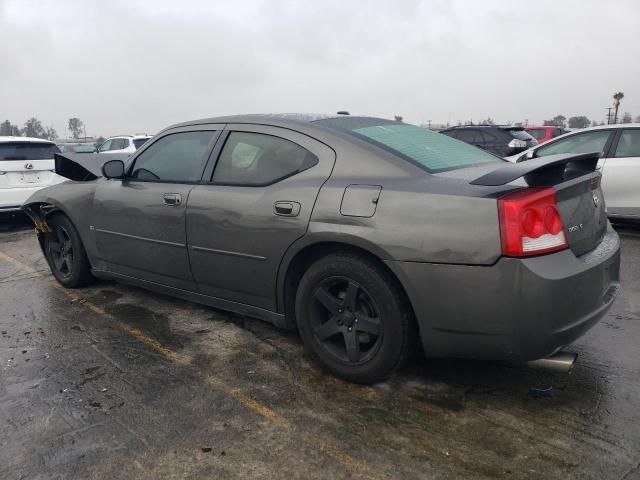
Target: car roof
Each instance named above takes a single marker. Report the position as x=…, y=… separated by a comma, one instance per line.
x=6, y=139
x=275, y=119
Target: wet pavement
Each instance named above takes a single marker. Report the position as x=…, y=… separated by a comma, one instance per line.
x=112, y=381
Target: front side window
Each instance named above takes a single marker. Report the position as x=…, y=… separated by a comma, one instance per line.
x=629, y=144
x=581, y=143
x=178, y=157
x=106, y=146
x=259, y=159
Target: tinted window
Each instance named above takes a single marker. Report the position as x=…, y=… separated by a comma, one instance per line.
x=557, y=132
x=629, y=144
x=581, y=143
x=488, y=138
x=138, y=142
x=178, y=157
x=27, y=151
x=257, y=159
x=469, y=136
x=537, y=134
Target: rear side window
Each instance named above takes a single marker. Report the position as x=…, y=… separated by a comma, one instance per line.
x=430, y=150
x=179, y=157
x=581, y=143
x=259, y=159
x=119, y=143
x=138, y=142
x=629, y=144
x=469, y=136
x=27, y=151
x=520, y=135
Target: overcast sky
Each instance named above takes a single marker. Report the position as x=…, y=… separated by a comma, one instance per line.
x=138, y=66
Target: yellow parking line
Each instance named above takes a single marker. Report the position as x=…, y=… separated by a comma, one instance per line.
x=351, y=463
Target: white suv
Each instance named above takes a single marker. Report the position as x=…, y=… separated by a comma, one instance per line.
x=26, y=165
x=123, y=144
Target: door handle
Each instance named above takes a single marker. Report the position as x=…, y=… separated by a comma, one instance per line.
x=172, y=199
x=286, y=209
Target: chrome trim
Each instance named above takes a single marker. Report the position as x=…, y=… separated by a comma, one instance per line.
x=144, y=239
x=227, y=252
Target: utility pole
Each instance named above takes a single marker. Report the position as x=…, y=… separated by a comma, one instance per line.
x=429, y=124
x=609, y=115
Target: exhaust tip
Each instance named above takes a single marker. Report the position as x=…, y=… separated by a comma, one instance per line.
x=558, y=362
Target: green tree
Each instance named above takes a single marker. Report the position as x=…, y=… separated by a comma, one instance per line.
x=76, y=127
x=579, y=122
x=33, y=128
x=557, y=121
x=616, y=104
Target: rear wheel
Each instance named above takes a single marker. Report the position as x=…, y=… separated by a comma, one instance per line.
x=353, y=318
x=66, y=254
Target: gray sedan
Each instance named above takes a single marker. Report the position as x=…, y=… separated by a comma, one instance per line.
x=364, y=234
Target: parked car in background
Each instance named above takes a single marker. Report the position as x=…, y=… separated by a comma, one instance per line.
x=363, y=233
x=545, y=133
x=77, y=147
x=499, y=140
x=123, y=144
x=619, y=149
x=26, y=166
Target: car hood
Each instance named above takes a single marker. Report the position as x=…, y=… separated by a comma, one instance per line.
x=84, y=167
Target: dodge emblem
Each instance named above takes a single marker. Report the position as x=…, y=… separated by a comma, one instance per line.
x=596, y=199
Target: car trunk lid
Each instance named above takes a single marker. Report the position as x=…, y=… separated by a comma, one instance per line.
x=579, y=197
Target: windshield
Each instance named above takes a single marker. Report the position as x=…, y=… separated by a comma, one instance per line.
x=27, y=151
x=138, y=142
x=430, y=150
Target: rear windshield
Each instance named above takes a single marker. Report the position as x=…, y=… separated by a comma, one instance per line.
x=537, y=134
x=27, y=151
x=138, y=142
x=520, y=135
x=430, y=150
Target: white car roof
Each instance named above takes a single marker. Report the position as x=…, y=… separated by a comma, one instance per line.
x=24, y=139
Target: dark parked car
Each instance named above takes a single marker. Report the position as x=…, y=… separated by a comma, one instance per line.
x=496, y=139
x=365, y=234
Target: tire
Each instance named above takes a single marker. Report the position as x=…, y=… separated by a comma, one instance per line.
x=353, y=318
x=65, y=253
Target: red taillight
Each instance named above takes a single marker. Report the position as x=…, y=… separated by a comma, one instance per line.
x=530, y=223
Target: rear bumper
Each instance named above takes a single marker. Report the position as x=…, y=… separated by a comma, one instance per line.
x=520, y=309
x=11, y=199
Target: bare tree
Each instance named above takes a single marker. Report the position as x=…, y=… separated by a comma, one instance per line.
x=50, y=133
x=626, y=118
x=616, y=104
x=557, y=121
x=397, y=118
x=75, y=127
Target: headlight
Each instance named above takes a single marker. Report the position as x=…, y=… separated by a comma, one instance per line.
x=516, y=143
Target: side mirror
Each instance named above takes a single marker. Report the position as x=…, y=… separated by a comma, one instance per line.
x=531, y=154
x=113, y=169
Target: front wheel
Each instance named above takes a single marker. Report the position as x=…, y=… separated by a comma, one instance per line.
x=353, y=318
x=65, y=253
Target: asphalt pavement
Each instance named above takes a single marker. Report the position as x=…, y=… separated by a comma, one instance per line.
x=113, y=382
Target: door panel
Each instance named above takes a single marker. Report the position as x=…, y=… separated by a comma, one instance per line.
x=238, y=234
x=139, y=222
x=139, y=235
x=621, y=176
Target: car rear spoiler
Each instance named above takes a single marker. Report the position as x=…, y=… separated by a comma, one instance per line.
x=543, y=171
x=83, y=167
